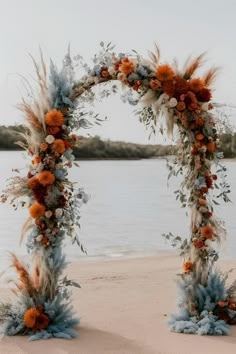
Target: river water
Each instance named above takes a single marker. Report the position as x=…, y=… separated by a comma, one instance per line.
x=130, y=206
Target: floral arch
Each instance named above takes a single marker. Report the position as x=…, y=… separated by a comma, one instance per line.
x=42, y=308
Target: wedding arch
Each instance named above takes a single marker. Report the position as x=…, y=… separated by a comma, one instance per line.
x=42, y=308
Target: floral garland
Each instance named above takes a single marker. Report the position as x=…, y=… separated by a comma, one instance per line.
x=54, y=204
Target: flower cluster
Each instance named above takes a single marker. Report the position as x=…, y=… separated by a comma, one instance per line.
x=35, y=319
x=47, y=176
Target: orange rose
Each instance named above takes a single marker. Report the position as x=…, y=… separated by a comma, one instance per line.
x=198, y=144
x=202, y=201
x=43, y=146
x=154, y=84
x=199, y=136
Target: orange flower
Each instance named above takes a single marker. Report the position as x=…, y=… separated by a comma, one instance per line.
x=199, y=136
x=199, y=121
x=34, y=319
x=43, y=146
x=197, y=144
x=53, y=130
x=187, y=266
x=202, y=201
x=104, y=73
x=45, y=178
x=36, y=159
x=222, y=303
x=181, y=85
x=180, y=106
x=36, y=210
x=58, y=146
x=206, y=231
x=196, y=84
x=164, y=72
x=127, y=66
x=44, y=241
x=211, y=146
x=198, y=243
x=168, y=87
x=54, y=118
x=33, y=182
x=42, y=321
x=30, y=317
x=154, y=84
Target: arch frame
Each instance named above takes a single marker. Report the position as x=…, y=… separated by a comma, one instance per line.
x=42, y=309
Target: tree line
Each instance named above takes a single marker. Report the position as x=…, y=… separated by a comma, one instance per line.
x=96, y=148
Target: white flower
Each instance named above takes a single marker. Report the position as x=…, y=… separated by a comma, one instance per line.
x=39, y=238
x=48, y=214
x=111, y=70
x=203, y=209
x=49, y=139
x=205, y=106
x=121, y=77
x=173, y=102
x=58, y=212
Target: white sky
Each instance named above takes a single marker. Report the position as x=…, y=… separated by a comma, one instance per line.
x=180, y=28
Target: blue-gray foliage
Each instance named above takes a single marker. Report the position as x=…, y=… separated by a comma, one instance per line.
x=59, y=88
x=201, y=319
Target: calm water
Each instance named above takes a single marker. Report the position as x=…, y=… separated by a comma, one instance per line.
x=130, y=207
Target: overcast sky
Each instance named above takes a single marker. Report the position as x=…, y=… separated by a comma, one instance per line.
x=180, y=28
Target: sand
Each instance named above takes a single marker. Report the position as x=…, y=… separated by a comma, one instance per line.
x=123, y=306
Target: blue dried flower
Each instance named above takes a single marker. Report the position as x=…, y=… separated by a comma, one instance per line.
x=141, y=70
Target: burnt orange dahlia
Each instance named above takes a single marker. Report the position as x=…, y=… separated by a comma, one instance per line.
x=168, y=87
x=164, y=72
x=206, y=231
x=54, y=118
x=30, y=317
x=36, y=210
x=196, y=84
x=181, y=85
x=46, y=178
x=58, y=146
x=33, y=182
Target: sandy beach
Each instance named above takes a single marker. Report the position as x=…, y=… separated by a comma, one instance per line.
x=123, y=306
